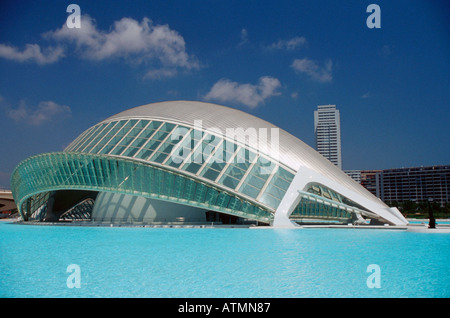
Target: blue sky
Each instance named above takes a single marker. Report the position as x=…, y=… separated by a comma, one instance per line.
x=275, y=59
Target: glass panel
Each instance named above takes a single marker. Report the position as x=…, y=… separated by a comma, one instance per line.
x=250, y=191
x=142, y=138
x=192, y=167
x=183, y=151
x=158, y=157
x=229, y=182
x=91, y=137
x=275, y=191
x=210, y=174
x=80, y=139
x=113, y=137
x=194, y=160
x=69, y=171
x=107, y=136
x=150, y=129
x=121, y=146
x=134, y=147
x=179, y=186
x=223, y=200
x=277, y=188
x=197, y=155
x=212, y=170
x=285, y=175
x=176, y=136
x=323, y=191
x=190, y=190
x=235, y=172
x=121, y=141
x=326, y=194
x=244, y=158
x=280, y=183
x=167, y=147
x=225, y=152
x=167, y=127
x=99, y=136
x=271, y=201
x=257, y=177
x=211, y=196
x=209, y=145
x=155, y=141
x=134, y=132
x=237, y=168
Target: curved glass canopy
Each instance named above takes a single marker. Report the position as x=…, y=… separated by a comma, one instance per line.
x=36, y=177
x=174, y=161
x=209, y=157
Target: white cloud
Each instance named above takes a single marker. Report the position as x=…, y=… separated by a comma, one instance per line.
x=44, y=112
x=157, y=46
x=244, y=37
x=290, y=44
x=313, y=70
x=366, y=95
x=136, y=41
x=160, y=73
x=32, y=52
x=247, y=94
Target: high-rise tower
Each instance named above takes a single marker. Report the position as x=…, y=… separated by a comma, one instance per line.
x=327, y=129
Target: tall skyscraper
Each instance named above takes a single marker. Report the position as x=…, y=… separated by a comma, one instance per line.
x=327, y=128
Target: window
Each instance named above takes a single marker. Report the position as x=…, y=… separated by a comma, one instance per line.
x=107, y=136
x=277, y=188
x=166, y=148
x=194, y=159
x=147, y=129
x=94, y=133
x=237, y=168
x=183, y=151
x=155, y=141
x=257, y=177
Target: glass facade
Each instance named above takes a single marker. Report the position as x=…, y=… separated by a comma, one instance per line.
x=324, y=203
x=208, y=157
x=35, y=179
x=168, y=161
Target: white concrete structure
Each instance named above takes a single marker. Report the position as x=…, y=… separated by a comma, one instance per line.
x=172, y=151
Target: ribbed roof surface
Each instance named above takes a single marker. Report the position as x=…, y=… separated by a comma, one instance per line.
x=293, y=152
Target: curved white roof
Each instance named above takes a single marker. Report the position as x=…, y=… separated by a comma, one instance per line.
x=293, y=152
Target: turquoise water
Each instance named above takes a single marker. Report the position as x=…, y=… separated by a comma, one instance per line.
x=143, y=262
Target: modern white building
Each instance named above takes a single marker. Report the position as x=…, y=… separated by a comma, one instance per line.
x=190, y=162
x=327, y=129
